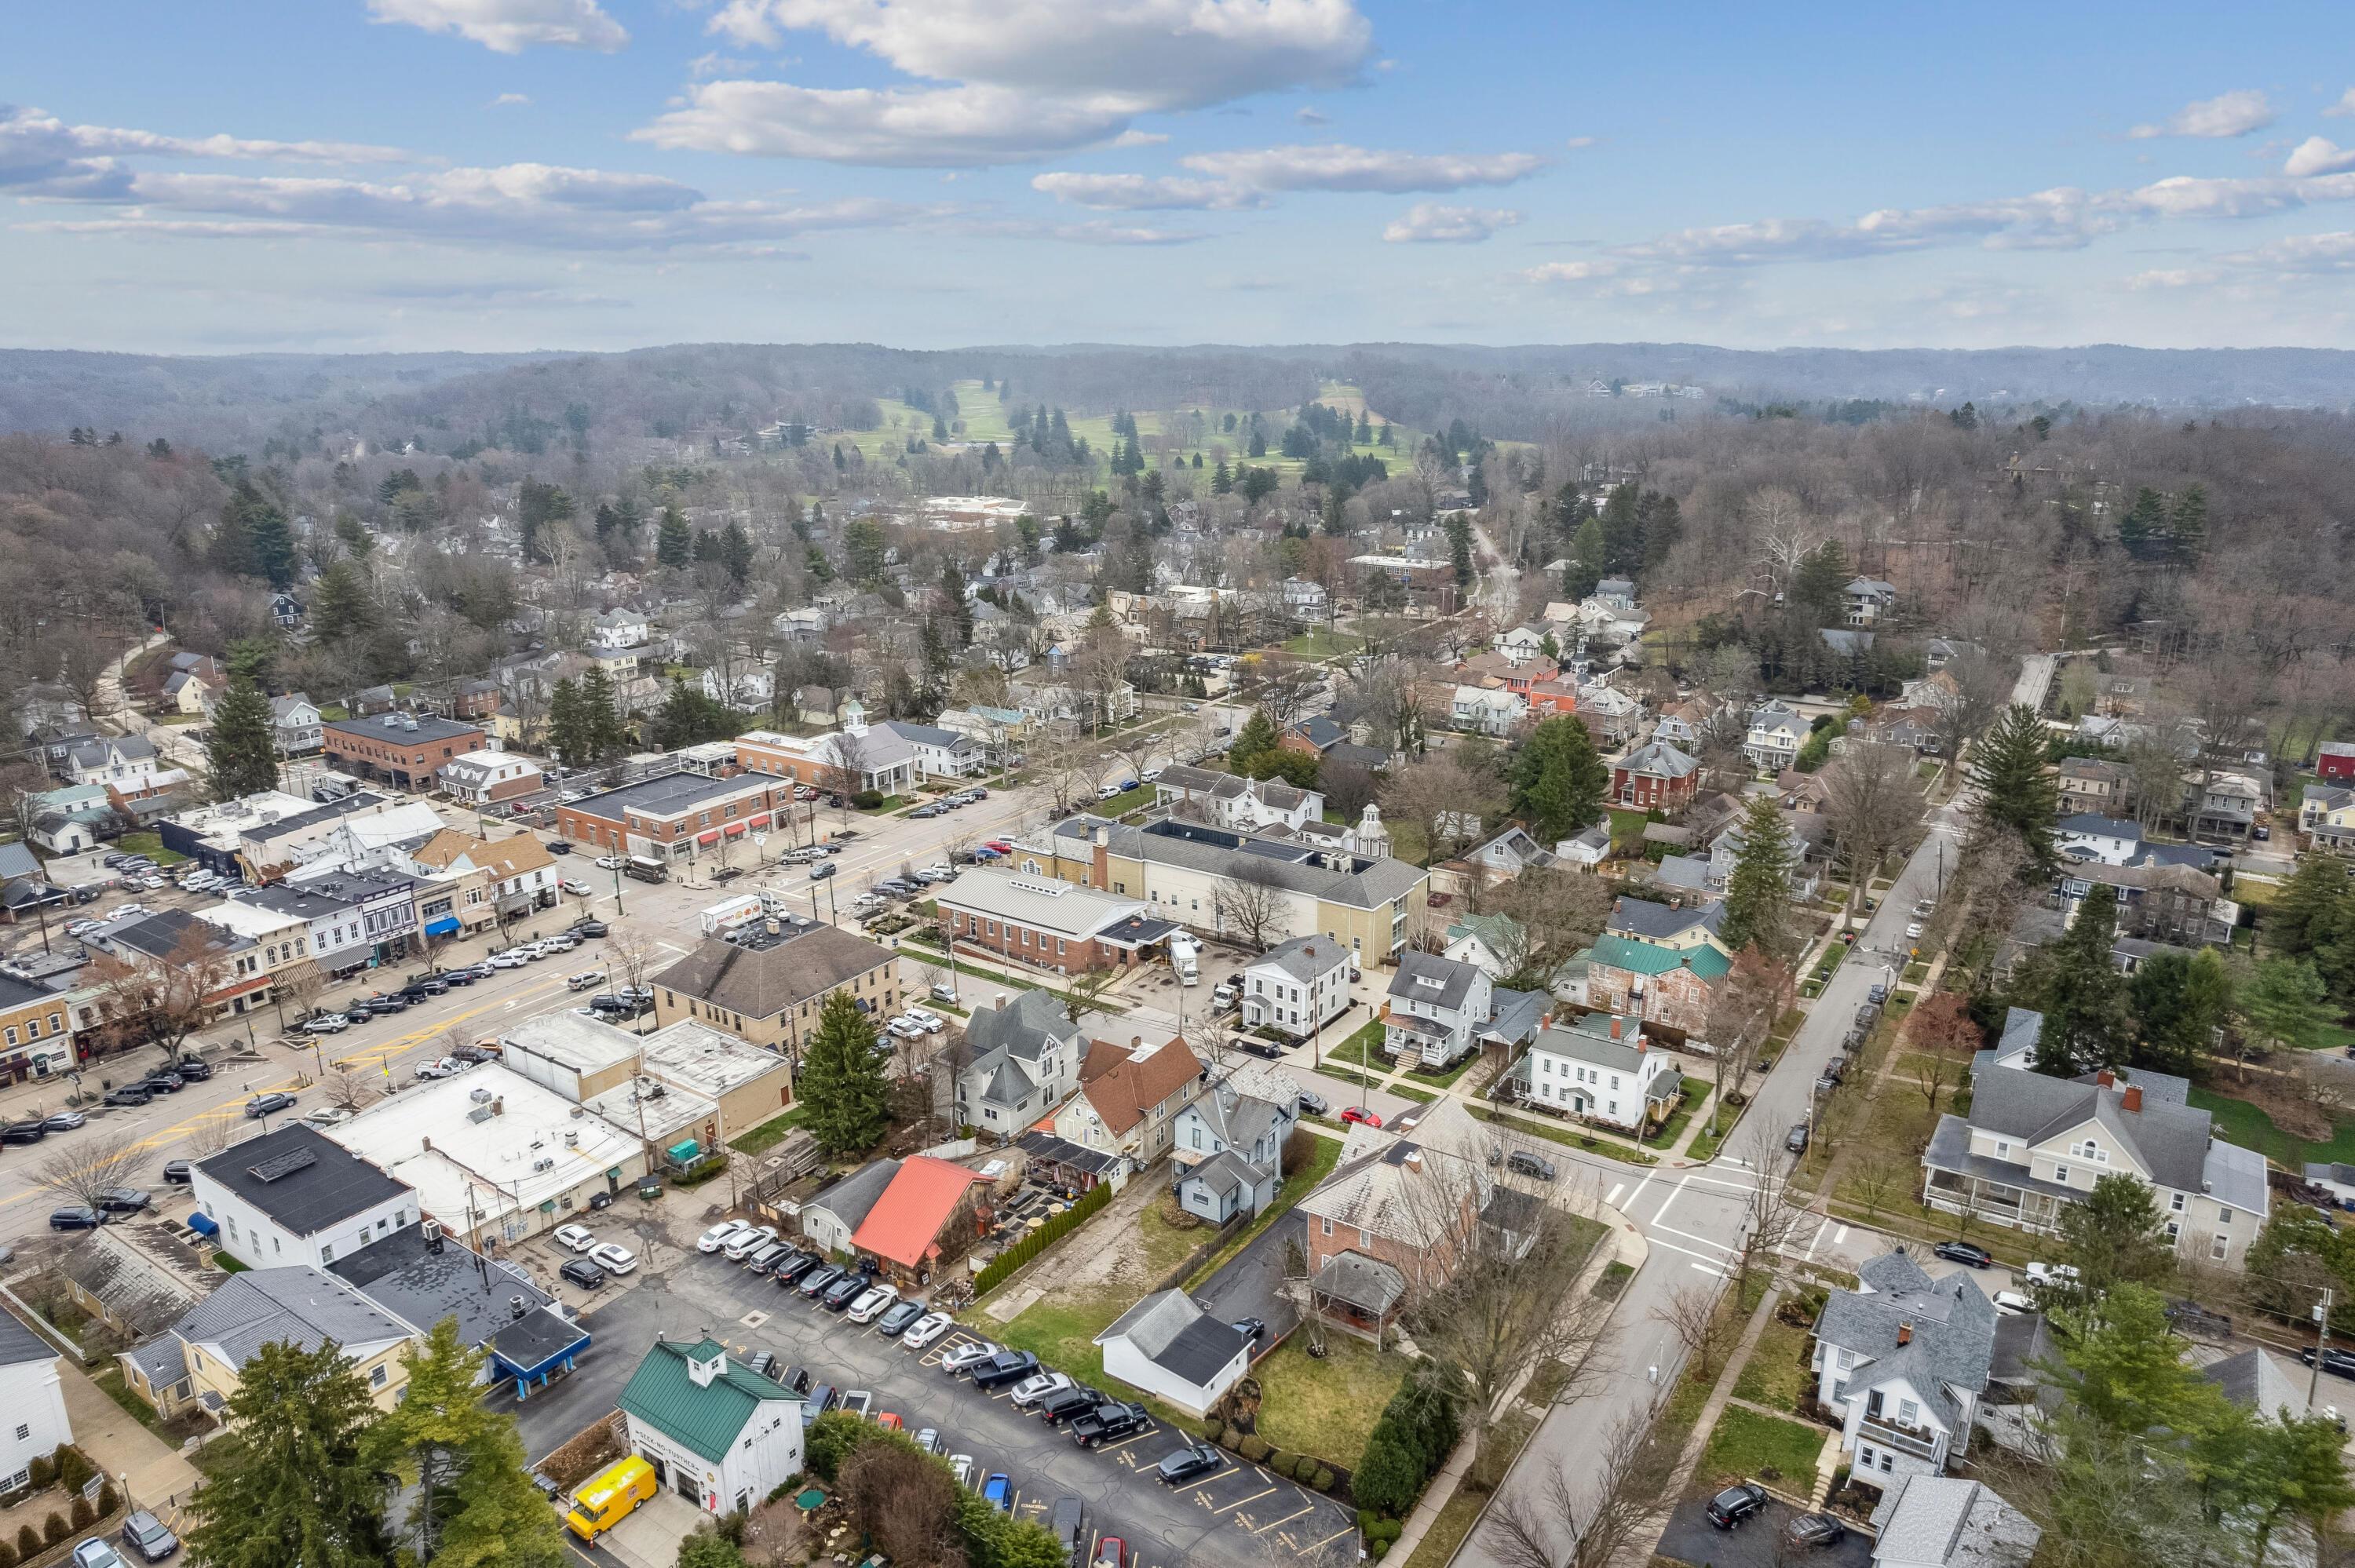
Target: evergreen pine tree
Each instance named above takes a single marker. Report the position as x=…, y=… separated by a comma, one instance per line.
x=242, y=752
x=2187, y=526
x=1459, y=547
x=1586, y=560
x=953, y=589
x=2287, y=1003
x=2016, y=795
x=602, y=728
x=1258, y=734
x=2309, y=909
x=673, y=540
x=1818, y=590
x=1758, y=890
x=2143, y=530
x=736, y=553
x=1557, y=778
x=863, y=550
x=299, y=1488
x=842, y=1080
x=566, y=738
x=2088, y=1022
x=1222, y=479
x=341, y=608
x=474, y=1503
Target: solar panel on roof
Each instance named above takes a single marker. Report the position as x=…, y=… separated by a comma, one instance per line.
x=286, y=1164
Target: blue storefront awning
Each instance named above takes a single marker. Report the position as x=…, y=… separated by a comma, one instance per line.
x=444, y=927
x=204, y=1225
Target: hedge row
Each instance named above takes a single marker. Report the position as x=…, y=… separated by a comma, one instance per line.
x=1039, y=1240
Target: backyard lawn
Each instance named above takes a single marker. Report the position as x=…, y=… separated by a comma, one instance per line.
x=1746, y=1443
x=1776, y=1372
x=1362, y=1049
x=151, y=845
x=769, y=1134
x=2238, y=1121
x=1326, y=1407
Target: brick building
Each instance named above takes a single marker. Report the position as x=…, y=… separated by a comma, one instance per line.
x=676, y=816
x=1655, y=778
x=404, y=749
x=1050, y=925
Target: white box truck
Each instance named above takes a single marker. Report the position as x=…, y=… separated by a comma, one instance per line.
x=732, y=912
x=1186, y=957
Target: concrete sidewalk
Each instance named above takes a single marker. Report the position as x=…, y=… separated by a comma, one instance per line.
x=117, y=1443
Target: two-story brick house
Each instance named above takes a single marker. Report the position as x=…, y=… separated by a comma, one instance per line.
x=1130, y=1099
x=1657, y=777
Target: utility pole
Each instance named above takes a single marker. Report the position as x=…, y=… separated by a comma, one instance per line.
x=2321, y=1339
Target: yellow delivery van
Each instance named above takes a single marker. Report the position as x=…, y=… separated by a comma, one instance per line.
x=609, y=1497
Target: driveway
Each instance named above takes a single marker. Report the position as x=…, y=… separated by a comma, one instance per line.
x=1691, y=1538
x=1251, y=1284
x=1239, y=1513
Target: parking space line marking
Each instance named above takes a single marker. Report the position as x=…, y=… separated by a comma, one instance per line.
x=1288, y=1519
x=1326, y=1542
x=1240, y=1502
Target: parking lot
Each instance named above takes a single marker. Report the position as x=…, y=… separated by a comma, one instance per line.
x=1756, y=1543
x=1240, y=1513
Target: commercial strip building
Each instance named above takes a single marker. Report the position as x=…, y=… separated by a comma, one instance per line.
x=293, y=1197
x=404, y=749
x=677, y=816
x=1069, y=927
x=685, y=1075
x=1178, y=869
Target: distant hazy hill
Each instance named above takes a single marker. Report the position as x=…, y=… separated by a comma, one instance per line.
x=1508, y=392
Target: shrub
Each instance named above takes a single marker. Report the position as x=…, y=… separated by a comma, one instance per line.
x=1302, y=1467
x=8, y=1558
x=85, y=1516
x=866, y=799
x=1388, y=1474
x=55, y=1529
x=1253, y=1447
x=45, y=1471
x=28, y=1540
x=1230, y=1437
x=831, y=1438
x=1322, y=1481
x=109, y=1500
x=1377, y=1550
x=73, y=1467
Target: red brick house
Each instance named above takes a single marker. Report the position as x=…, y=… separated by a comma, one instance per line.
x=1655, y=778
x=1396, y=1217
x=404, y=749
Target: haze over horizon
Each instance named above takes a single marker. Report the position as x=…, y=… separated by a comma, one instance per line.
x=508, y=175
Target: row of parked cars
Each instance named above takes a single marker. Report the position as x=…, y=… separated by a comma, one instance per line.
x=948, y=803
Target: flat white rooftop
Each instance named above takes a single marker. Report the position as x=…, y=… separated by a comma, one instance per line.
x=705, y=1060
x=514, y=1146
x=584, y=1046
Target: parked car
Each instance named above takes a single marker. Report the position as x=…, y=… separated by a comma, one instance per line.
x=95, y=1553
x=1796, y=1140
x=795, y=1378
x=971, y=1354
x=897, y=1317
x=839, y=1295
x=23, y=1132
x=2052, y=1276
x=2190, y=1317
x=163, y=1084
x=789, y=1269
x=2012, y=1304
x=582, y=1273
x=2335, y=1361
x=573, y=1238
x=179, y=1172
x=1359, y=1114
x=926, y=1329
x=194, y=1069
x=872, y=1302
x=1194, y=1459
x=123, y=1200
x=614, y=1258
x=1969, y=1253
x=1521, y=1162
x=763, y=1362
x=1814, y=1531
x=1313, y=1104
x=859, y=1403
x=573, y=885
x=998, y=1492
x=816, y=1401
x=65, y=1120
x=818, y=1280
x=1036, y=1387
x=76, y=1217
x=1736, y=1505
x=145, y=1534
x=591, y=927
x=610, y=862
x=961, y=1470
x=584, y=980
x=928, y=1438
x=747, y=1241
x=327, y=1024
x=1251, y=1328
x=762, y=1262
x=720, y=1234
x=132, y=1095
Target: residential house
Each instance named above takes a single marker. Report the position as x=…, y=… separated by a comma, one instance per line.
x=1521, y=644
x=750, y=690
x=926, y=1216
x=1869, y=600
x=294, y=724
x=2334, y=762
x=1230, y=801
x=1316, y=736
x=1802, y=791
x=2030, y=1144
x=1437, y=1007
x=1297, y=987
x=1945, y=1522
x=622, y=628
x=293, y=1197
x=38, y=1026
x=2113, y=841
x=1903, y=1361
x=2015, y=1047
x=1600, y=1068
x=1588, y=849
x=1775, y=734
x=1610, y=714
x=34, y=1399
x=1509, y=853
x=195, y=680
x=1227, y=1146
x=2158, y=903
x=69, y=821
x=1023, y=1061
x=834, y=1215
x=125, y=764
x=2123, y=695
x=2093, y=785
x=713, y=1430
x=1657, y=777
x=1404, y=1204
x=1482, y=711
x=201, y=1358
x=1659, y=962
x=1615, y=593
x=2223, y=806
x=1305, y=600
x=939, y=753
x=1806, y=836
x=1492, y=944
x=1130, y=1098
x=768, y=987
x=2326, y=815
x=1173, y=1350
x=486, y=778
x=1049, y=695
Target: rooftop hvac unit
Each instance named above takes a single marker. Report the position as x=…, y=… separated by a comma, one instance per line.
x=573, y=1135
x=518, y=1305
x=432, y=1231
x=543, y=1163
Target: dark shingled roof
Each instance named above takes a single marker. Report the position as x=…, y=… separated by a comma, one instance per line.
x=301, y=1181
x=761, y=981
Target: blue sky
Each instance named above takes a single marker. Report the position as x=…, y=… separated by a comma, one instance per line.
x=366, y=174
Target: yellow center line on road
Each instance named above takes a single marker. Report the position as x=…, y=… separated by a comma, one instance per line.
x=384, y=1050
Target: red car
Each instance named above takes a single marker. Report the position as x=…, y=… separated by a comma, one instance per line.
x=1000, y=845
x=1359, y=1113
x=1112, y=1552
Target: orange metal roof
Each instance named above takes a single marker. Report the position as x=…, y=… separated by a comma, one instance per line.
x=906, y=1220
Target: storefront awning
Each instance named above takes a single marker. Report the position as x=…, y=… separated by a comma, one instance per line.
x=761, y=821
x=734, y=830
x=708, y=839
x=444, y=927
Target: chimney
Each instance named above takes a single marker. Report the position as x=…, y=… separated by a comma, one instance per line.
x=2134, y=1096
x=1905, y=1333
x=1100, y=861
x=499, y=1106
x=1136, y=1041
x=1615, y=1026
x=1001, y=1002
x=2107, y=1078
x=429, y=1145
x=1413, y=1159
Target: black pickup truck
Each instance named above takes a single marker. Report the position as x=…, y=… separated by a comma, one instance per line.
x=1107, y=1422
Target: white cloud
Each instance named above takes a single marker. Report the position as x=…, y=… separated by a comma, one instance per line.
x=1337, y=167
x=951, y=127
x=2168, y=278
x=510, y=27
x=2319, y=156
x=1579, y=144
x=511, y=101
x=1571, y=273
x=1427, y=223
x=2225, y=115
x=1014, y=84
x=41, y=154
x=1146, y=193
x=1140, y=138
x=1308, y=116
x=2302, y=253
x=2343, y=108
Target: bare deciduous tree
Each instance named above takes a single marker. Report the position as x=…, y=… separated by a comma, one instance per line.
x=1690, y=1313
x=84, y=1172
x=1253, y=905
x=1444, y=802
x=1982, y=686
x=1769, y=1216
x=347, y=1090
x=1547, y=1524
x=1870, y=797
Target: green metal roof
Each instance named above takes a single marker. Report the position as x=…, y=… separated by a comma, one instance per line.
x=706, y=1419
x=1651, y=958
